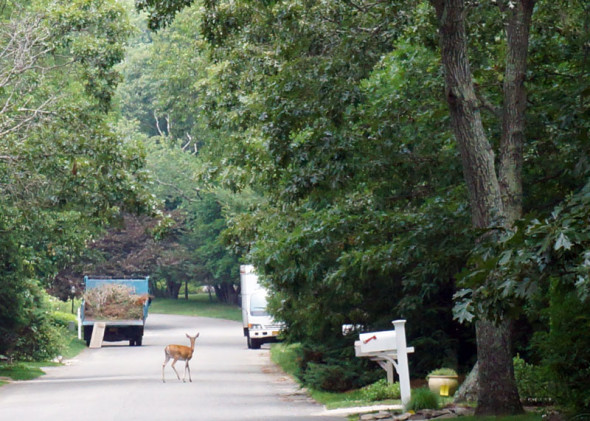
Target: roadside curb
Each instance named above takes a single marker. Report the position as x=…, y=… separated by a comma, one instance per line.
x=359, y=410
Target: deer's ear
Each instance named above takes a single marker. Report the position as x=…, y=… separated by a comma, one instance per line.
x=187, y=335
x=197, y=335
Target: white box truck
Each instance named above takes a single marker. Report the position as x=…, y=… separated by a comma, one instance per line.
x=259, y=326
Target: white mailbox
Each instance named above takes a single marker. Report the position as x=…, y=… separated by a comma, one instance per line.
x=377, y=342
x=388, y=348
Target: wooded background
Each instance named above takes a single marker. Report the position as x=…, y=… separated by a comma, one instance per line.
x=375, y=160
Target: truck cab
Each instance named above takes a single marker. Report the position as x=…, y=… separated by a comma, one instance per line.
x=259, y=326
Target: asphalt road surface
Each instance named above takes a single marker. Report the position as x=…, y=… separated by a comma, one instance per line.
x=119, y=382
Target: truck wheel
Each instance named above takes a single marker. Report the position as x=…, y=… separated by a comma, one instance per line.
x=87, y=334
x=131, y=342
x=138, y=341
x=254, y=343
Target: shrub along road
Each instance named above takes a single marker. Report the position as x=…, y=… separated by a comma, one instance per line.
x=119, y=382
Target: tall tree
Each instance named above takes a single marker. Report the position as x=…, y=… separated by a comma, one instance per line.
x=495, y=191
x=285, y=85
x=64, y=171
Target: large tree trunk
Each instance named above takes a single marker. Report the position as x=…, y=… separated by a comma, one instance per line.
x=172, y=289
x=497, y=393
x=496, y=200
x=514, y=108
x=226, y=293
x=476, y=152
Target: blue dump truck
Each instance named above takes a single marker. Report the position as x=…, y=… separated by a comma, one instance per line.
x=121, y=304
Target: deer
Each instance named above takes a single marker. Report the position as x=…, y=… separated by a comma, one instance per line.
x=182, y=353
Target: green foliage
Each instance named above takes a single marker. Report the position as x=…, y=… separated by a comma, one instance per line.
x=525, y=259
x=334, y=116
x=533, y=384
x=62, y=319
x=330, y=376
x=381, y=390
x=65, y=172
x=161, y=13
x=332, y=369
x=423, y=398
x=442, y=372
x=30, y=333
x=565, y=348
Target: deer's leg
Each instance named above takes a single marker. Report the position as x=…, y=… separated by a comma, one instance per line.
x=164, y=365
x=174, y=368
x=189, y=371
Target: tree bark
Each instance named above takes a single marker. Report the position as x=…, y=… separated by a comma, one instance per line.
x=497, y=393
x=468, y=389
x=172, y=289
x=496, y=200
x=514, y=108
x=226, y=293
x=477, y=155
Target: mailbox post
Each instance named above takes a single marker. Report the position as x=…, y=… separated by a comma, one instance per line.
x=388, y=348
x=402, y=360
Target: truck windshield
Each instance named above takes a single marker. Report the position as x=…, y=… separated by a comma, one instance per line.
x=258, y=304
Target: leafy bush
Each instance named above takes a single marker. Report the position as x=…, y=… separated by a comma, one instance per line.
x=565, y=349
x=423, y=398
x=532, y=382
x=62, y=319
x=334, y=368
x=381, y=390
x=40, y=341
x=33, y=336
x=332, y=377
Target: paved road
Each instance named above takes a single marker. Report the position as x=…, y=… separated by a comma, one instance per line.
x=118, y=382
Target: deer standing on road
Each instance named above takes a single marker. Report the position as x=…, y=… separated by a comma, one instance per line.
x=182, y=353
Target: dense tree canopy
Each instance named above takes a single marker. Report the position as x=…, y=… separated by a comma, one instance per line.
x=64, y=171
x=418, y=159
x=336, y=113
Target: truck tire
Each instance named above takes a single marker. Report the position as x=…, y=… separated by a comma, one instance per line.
x=87, y=334
x=138, y=341
x=254, y=343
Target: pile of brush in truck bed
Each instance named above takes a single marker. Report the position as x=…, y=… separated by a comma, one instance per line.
x=113, y=302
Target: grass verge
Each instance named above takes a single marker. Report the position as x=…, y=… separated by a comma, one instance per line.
x=27, y=370
x=196, y=305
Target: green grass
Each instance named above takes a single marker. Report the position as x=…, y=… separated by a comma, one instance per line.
x=286, y=357
x=352, y=398
x=197, y=305
x=65, y=306
x=24, y=370
x=423, y=398
x=74, y=346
